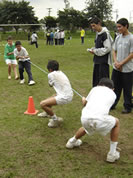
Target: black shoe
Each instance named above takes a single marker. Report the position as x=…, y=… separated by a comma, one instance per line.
x=126, y=111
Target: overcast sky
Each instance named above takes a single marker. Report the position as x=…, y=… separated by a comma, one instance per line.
x=125, y=7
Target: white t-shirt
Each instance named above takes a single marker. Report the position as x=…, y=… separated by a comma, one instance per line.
x=22, y=52
x=124, y=46
x=61, y=84
x=62, y=34
x=34, y=37
x=99, y=101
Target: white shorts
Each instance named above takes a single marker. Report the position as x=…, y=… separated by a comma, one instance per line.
x=60, y=100
x=11, y=61
x=100, y=125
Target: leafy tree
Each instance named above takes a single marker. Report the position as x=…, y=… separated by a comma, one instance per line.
x=71, y=19
x=12, y=12
x=49, y=21
x=99, y=8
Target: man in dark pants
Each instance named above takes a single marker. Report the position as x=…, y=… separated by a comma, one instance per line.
x=122, y=74
x=101, y=51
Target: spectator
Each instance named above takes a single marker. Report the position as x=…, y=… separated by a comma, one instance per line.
x=101, y=51
x=122, y=74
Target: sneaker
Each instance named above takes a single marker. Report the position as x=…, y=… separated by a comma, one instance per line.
x=9, y=77
x=22, y=81
x=71, y=144
x=43, y=114
x=55, y=123
x=16, y=78
x=31, y=82
x=113, y=157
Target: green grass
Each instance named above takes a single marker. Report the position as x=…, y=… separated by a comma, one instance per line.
x=29, y=149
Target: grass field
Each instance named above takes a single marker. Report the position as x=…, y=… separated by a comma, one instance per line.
x=29, y=149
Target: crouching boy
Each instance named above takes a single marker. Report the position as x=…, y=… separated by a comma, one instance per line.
x=95, y=117
x=64, y=94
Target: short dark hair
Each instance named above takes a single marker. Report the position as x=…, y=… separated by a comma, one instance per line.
x=123, y=22
x=106, y=82
x=9, y=38
x=95, y=20
x=53, y=64
x=18, y=43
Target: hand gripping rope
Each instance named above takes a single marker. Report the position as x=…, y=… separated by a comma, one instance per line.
x=47, y=73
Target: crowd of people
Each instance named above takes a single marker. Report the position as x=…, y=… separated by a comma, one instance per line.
x=56, y=37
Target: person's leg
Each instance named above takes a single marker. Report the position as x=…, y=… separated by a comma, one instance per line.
x=115, y=132
x=113, y=154
x=95, y=75
x=81, y=132
x=36, y=44
x=15, y=71
x=21, y=70
x=127, y=79
x=47, y=104
x=116, y=77
x=103, y=71
x=9, y=70
x=27, y=66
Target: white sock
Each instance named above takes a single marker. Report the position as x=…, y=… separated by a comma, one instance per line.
x=73, y=139
x=54, y=117
x=113, y=146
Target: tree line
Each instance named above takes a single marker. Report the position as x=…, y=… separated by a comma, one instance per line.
x=12, y=12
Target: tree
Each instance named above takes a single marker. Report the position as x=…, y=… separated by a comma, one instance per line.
x=71, y=19
x=99, y=8
x=49, y=21
x=12, y=12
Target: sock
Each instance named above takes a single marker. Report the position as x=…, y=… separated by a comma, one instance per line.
x=113, y=146
x=73, y=139
x=54, y=117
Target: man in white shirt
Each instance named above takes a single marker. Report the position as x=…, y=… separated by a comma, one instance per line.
x=95, y=117
x=22, y=56
x=64, y=94
x=34, y=38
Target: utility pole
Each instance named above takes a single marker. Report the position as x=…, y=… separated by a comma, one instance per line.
x=130, y=16
x=49, y=11
x=67, y=4
x=116, y=16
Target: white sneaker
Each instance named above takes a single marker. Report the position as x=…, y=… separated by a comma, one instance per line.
x=31, y=82
x=22, y=81
x=71, y=144
x=55, y=123
x=113, y=157
x=9, y=77
x=43, y=114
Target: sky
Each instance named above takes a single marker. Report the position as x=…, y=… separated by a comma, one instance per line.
x=124, y=7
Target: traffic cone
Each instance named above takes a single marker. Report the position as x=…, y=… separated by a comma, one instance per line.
x=31, y=108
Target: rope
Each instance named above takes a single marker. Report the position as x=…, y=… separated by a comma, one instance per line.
x=47, y=73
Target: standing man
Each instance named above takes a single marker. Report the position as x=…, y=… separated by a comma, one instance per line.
x=82, y=35
x=56, y=37
x=123, y=65
x=101, y=51
x=34, y=38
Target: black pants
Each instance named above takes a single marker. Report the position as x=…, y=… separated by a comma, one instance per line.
x=56, y=41
x=100, y=71
x=27, y=66
x=123, y=81
x=48, y=40
x=82, y=40
x=34, y=42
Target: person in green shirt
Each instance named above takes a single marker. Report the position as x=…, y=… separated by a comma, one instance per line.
x=9, y=57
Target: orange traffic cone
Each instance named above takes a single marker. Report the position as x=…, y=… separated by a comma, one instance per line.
x=31, y=108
